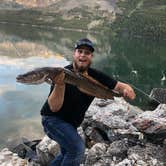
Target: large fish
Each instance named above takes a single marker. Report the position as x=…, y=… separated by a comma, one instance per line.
x=86, y=83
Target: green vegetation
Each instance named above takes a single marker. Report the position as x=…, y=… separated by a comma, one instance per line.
x=142, y=18
x=78, y=18
x=139, y=18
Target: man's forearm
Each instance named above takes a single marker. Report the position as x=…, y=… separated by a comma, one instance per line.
x=56, y=98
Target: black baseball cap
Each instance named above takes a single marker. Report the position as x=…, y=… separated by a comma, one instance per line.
x=85, y=42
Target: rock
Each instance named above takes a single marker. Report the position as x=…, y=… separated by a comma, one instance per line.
x=152, y=122
x=118, y=148
x=96, y=135
x=116, y=134
x=26, y=149
x=7, y=158
x=149, y=155
x=159, y=95
x=96, y=155
x=46, y=150
x=103, y=102
x=81, y=132
x=125, y=162
x=114, y=119
x=164, y=143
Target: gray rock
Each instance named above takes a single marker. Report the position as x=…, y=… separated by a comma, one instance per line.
x=95, y=135
x=118, y=148
x=152, y=122
x=150, y=155
x=97, y=155
x=115, y=134
x=8, y=158
x=114, y=119
x=164, y=143
x=46, y=150
x=158, y=94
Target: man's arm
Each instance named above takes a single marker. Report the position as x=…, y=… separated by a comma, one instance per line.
x=125, y=89
x=56, y=98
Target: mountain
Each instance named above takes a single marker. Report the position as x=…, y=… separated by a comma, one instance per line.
x=60, y=13
x=10, y=4
x=63, y=4
x=125, y=17
x=26, y=3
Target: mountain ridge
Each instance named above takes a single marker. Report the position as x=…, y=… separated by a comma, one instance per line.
x=129, y=17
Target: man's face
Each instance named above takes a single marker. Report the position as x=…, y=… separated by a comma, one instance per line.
x=82, y=58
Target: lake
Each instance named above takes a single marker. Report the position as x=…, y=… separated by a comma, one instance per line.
x=139, y=62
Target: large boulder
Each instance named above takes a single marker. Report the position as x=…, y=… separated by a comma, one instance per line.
x=158, y=95
x=152, y=122
x=111, y=121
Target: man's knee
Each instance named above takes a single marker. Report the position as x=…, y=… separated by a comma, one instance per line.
x=78, y=148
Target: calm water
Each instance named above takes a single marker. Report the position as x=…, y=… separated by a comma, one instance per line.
x=139, y=62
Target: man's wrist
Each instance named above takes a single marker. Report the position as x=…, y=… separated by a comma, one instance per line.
x=59, y=85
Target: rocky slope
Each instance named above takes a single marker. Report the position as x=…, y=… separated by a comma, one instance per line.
x=72, y=14
x=116, y=134
x=26, y=3
x=134, y=18
x=63, y=5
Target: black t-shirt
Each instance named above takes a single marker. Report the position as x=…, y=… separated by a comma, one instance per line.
x=76, y=102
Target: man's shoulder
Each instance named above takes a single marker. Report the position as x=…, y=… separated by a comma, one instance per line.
x=102, y=78
x=70, y=66
x=93, y=71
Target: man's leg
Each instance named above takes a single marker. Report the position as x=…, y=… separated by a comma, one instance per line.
x=58, y=158
x=68, y=138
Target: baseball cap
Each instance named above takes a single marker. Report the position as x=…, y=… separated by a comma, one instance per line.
x=85, y=42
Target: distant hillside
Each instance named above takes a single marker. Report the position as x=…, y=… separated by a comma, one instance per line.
x=94, y=14
x=62, y=5
x=27, y=3
x=145, y=18
x=9, y=4
x=134, y=18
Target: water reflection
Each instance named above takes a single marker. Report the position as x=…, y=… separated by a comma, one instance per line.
x=20, y=104
x=139, y=62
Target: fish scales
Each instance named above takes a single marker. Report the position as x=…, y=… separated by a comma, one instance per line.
x=85, y=83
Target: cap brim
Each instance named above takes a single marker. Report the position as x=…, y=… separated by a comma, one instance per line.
x=90, y=47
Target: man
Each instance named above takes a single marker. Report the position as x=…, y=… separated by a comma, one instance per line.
x=65, y=108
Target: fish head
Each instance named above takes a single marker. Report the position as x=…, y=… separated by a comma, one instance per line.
x=32, y=77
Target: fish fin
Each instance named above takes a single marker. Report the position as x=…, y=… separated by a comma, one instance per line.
x=48, y=81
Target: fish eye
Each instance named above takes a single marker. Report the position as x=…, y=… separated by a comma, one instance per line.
x=34, y=75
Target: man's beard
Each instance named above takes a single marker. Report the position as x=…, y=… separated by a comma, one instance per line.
x=81, y=69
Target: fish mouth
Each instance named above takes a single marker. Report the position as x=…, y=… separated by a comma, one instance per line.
x=22, y=79
x=19, y=78
x=30, y=80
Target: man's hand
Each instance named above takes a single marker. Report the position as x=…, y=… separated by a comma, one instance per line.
x=129, y=93
x=126, y=90
x=59, y=79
